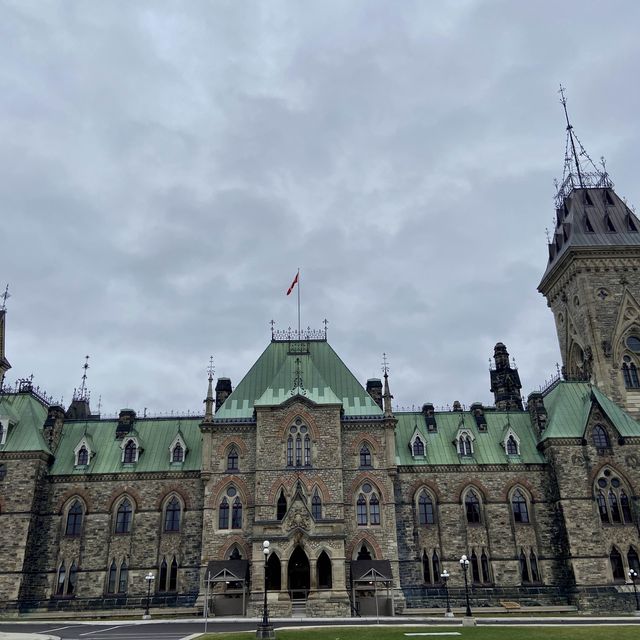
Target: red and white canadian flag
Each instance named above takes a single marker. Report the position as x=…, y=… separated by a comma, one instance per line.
x=293, y=284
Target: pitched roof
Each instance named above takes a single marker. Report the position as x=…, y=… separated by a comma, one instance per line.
x=568, y=408
x=592, y=218
x=487, y=445
x=27, y=414
x=155, y=434
x=310, y=369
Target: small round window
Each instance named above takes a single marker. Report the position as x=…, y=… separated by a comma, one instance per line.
x=602, y=482
x=633, y=342
x=231, y=491
x=366, y=487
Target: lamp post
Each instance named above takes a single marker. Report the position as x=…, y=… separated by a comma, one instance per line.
x=445, y=578
x=464, y=564
x=265, y=629
x=149, y=578
x=633, y=574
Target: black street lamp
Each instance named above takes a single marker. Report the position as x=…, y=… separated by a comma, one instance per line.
x=633, y=574
x=445, y=578
x=265, y=629
x=464, y=563
x=149, y=578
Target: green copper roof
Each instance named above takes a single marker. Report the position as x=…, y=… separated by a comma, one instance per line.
x=311, y=369
x=487, y=446
x=568, y=407
x=154, y=435
x=26, y=415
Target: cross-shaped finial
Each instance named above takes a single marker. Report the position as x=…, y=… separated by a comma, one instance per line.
x=5, y=295
x=211, y=369
x=273, y=324
x=325, y=322
x=385, y=364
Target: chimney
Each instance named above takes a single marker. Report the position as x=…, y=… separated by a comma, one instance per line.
x=126, y=420
x=374, y=389
x=223, y=391
x=537, y=411
x=478, y=413
x=429, y=416
x=53, y=425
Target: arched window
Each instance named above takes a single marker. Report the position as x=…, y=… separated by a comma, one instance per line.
x=611, y=498
x=364, y=553
x=113, y=573
x=361, y=508
x=73, y=579
x=418, y=447
x=426, y=568
x=177, y=455
x=124, y=576
x=632, y=560
x=274, y=575
x=630, y=373
x=367, y=506
x=374, y=509
x=600, y=438
x=61, y=578
x=519, y=507
x=236, y=514
x=484, y=560
x=426, y=513
x=232, y=459
x=533, y=563
x=512, y=446
x=83, y=456
x=316, y=505
x=365, y=456
x=281, y=509
x=235, y=554
x=465, y=447
x=124, y=516
x=130, y=452
x=223, y=514
x=299, y=445
x=472, y=507
x=524, y=568
x=172, y=515
x=162, y=576
x=617, y=568
x=74, y=519
x=173, y=575
x=435, y=561
x=475, y=567
x=325, y=580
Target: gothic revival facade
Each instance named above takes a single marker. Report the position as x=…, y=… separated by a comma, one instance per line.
x=363, y=506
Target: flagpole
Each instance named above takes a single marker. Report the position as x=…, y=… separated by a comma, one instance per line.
x=299, y=303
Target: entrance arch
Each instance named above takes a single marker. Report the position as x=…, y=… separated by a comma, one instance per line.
x=299, y=574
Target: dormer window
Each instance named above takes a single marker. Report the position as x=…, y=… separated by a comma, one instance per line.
x=4, y=429
x=83, y=457
x=609, y=223
x=511, y=443
x=587, y=199
x=130, y=451
x=631, y=225
x=417, y=444
x=587, y=225
x=464, y=443
x=83, y=452
x=607, y=198
x=177, y=449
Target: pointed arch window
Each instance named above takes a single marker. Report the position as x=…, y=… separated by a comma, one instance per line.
x=632, y=560
x=365, y=456
x=307, y=450
x=62, y=574
x=281, y=508
x=325, y=580
x=512, y=446
x=130, y=453
x=427, y=575
x=74, y=519
x=232, y=459
x=475, y=567
x=465, y=443
x=112, y=580
x=418, y=447
x=630, y=373
x=617, y=568
x=361, y=509
x=529, y=567
x=484, y=561
x=316, y=505
x=235, y=554
x=426, y=513
x=519, y=507
x=274, y=574
x=374, y=509
x=298, y=450
x=524, y=567
x=223, y=514
x=533, y=563
x=177, y=455
x=612, y=499
x=83, y=457
x=162, y=575
x=230, y=509
x=367, y=506
x=600, y=438
x=172, y=515
x=290, y=451
x=435, y=562
x=236, y=514
x=123, y=578
x=173, y=575
x=472, y=507
x=73, y=579
x=124, y=517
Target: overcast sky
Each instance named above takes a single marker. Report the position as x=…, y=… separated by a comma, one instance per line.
x=167, y=166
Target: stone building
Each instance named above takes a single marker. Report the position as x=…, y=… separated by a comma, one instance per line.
x=363, y=506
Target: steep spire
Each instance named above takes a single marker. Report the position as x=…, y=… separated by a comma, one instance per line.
x=386, y=396
x=208, y=401
x=79, y=408
x=4, y=363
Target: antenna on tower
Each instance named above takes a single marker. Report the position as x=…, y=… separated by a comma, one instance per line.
x=4, y=297
x=563, y=100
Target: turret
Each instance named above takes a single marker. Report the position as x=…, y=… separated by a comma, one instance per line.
x=505, y=381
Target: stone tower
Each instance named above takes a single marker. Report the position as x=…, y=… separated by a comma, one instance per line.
x=505, y=381
x=592, y=282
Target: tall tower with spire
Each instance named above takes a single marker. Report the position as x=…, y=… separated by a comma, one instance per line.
x=592, y=279
x=4, y=363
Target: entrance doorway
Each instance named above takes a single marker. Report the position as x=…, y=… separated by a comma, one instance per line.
x=299, y=575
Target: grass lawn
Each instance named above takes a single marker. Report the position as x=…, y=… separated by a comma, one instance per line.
x=379, y=632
